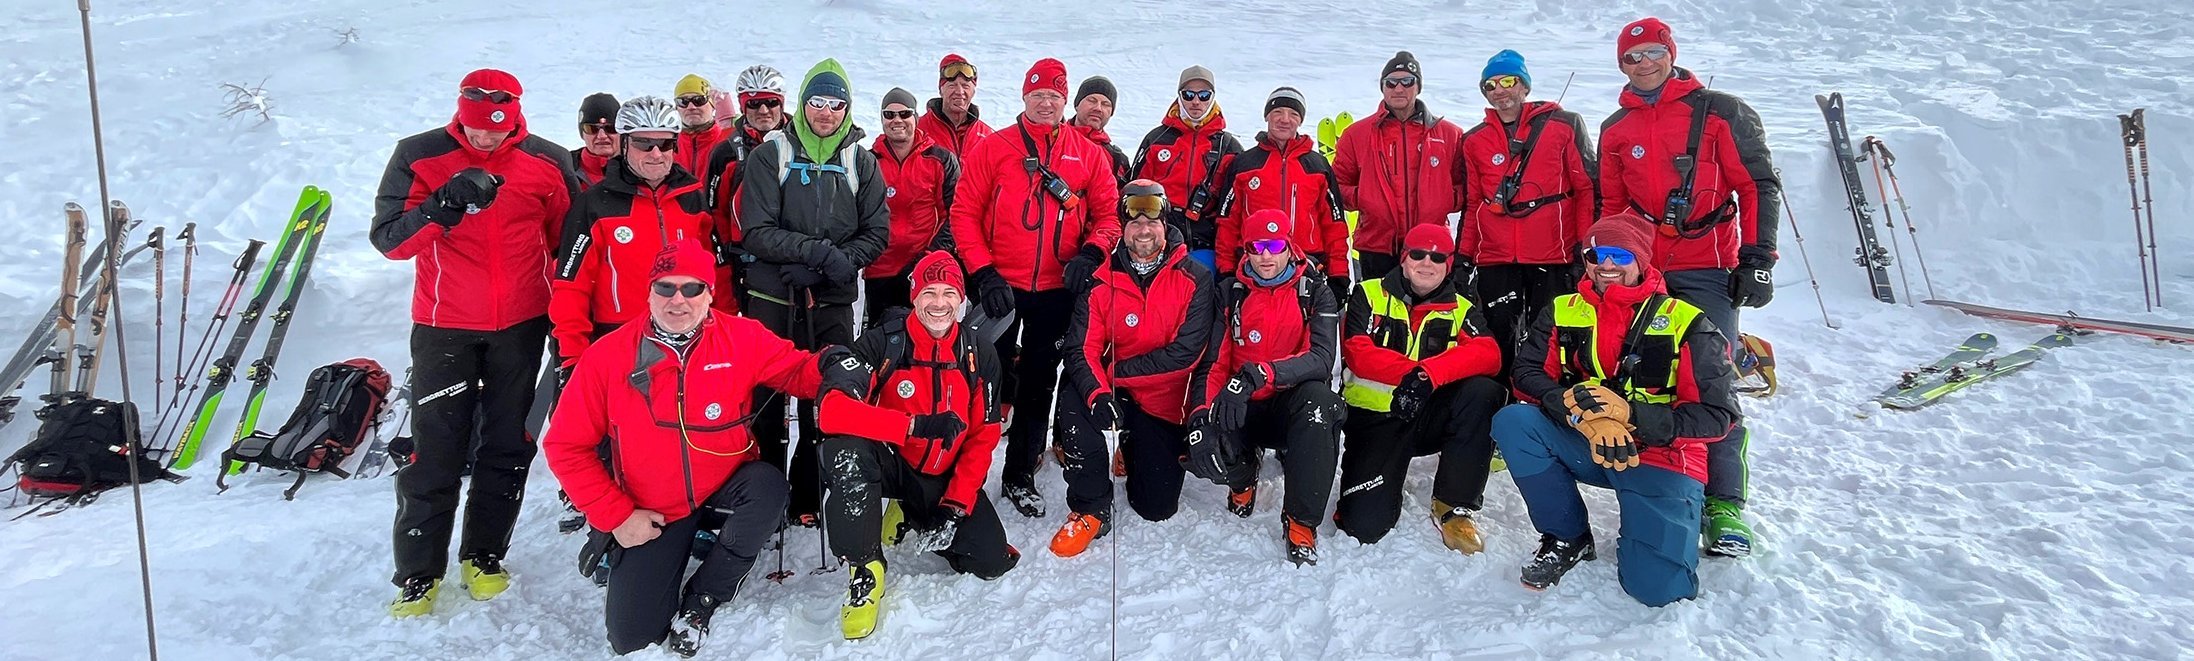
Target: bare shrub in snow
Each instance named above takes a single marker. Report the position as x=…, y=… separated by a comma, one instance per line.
x=245, y=101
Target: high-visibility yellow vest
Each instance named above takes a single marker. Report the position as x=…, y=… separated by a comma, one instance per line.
x=1658, y=347
x=1390, y=330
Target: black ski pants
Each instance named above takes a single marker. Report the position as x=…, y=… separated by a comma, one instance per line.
x=1512, y=296
x=1154, y=472
x=1456, y=425
x=1304, y=424
x=1031, y=346
x=644, y=588
x=1728, y=472
x=809, y=328
x=863, y=473
x=466, y=382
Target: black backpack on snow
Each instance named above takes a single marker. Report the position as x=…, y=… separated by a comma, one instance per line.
x=81, y=449
x=340, y=410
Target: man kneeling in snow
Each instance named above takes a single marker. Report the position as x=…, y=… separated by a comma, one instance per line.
x=1631, y=386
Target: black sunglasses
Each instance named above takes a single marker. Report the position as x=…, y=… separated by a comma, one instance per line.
x=1434, y=257
x=898, y=114
x=689, y=290
x=759, y=104
x=591, y=129
x=1195, y=95
x=490, y=96
x=1399, y=81
x=652, y=144
x=692, y=101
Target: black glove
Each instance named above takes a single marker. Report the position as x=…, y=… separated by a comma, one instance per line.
x=601, y=552
x=833, y=263
x=997, y=297
x=843, y=372
x=1231, y=408
x=1465, y=277
x=937, y=426
x=1083, y=267
x=940, y=537
x=1752, y=284
x=1213, y=454
x=1340, y=286
x=798, y=276
x=1103, y=412
x=1410, y=395
x=469, y=191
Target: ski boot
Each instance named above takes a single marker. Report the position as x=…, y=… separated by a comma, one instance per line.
x=484, y=577
x=1457, y=529
x=1497, y=464
x=690, y=628
x=895, y=520
x=416, y=597
x=1080, y=529
x=1302, y=542
x=1724, y=529
x=1242, y=502
x=1554, y=559
x=1025, y=500
x=857, y=618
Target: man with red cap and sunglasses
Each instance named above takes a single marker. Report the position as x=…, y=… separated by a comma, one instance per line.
x=671, y=393
x=1268, y=384
x=1419, y=382
x=761, y=97
x=597, y=137
x=1625, y=387
x=1134, y=343
x=929, y=447
x=1529, y=193
x=953, y=119
x=479, y=203
x=1283, y=171
x=1186, y=154
x=1397, y=168
x=920, y=178
x=1695, y=162
x=1034, y=216
x=813, y=213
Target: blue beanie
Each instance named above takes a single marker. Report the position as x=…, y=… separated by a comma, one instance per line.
x=1506, y=63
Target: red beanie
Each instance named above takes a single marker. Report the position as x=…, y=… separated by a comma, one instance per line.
x=1429, y=236
x=1046, y=74
x=488, y=115
x=938, y=267
x=687, y=258
x=1625, y=230
x=1263, y=225
x=1648, y=30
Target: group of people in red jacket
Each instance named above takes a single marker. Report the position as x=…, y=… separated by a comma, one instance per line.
x=1032, y=286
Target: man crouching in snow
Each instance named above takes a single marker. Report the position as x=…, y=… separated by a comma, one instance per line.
x=930, y=447
x=672, y=394
x=1631, y=386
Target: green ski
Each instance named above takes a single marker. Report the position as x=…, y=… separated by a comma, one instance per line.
x=261, y=371
x=1960, y=377
x=223, y=368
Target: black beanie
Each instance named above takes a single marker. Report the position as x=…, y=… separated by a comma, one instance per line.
x=1098, y=85
x=901, y=96
x=1285, y=97
x=598, y=108
x=1403, y=61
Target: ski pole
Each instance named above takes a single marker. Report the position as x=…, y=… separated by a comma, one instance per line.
x=1868, y=152
x=1565, y=87
x=157, y=240
x=2148, y=200
x=1889, y=165
x=189, y=236
x=2130, y=131
x=1808, y=261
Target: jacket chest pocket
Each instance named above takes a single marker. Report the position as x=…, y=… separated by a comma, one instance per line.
x=706, y=405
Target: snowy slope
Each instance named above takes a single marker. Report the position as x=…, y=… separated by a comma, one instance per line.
x=2044, y=515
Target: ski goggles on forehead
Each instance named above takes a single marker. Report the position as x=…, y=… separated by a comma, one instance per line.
x=490, y=96
x=1268, y=247
x=826, y=103
x=673, y=289
x=1499, y=82
x=1611, y=255
x=652, y=144
x=957, y=70
x=692, y=101
x=1145, y=206
x=1428, y=255
x=1654, y=52
x=1195, y=95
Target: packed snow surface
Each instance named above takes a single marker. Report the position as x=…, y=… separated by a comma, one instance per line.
x=2045, y=515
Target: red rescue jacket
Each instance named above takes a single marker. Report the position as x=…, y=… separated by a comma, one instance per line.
x=1295, y=179
x=677, y=427
x=1371, y=343
x=919, y=194
x=617, y=228
x=915, y=374
x=490, y=271
x=695, y=145
x=1273, y=328
x=1733, y=179
x=955, y=139
x=1399, y=173
x=1142, y=335
x=1184, y=159
x=1002, y=218
x=590, y=166
x=1555, y=199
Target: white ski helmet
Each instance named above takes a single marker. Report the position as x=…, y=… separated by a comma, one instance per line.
x=760, y=79
x=648, y=113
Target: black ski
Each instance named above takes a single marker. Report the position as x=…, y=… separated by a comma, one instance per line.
x=1870, y=253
